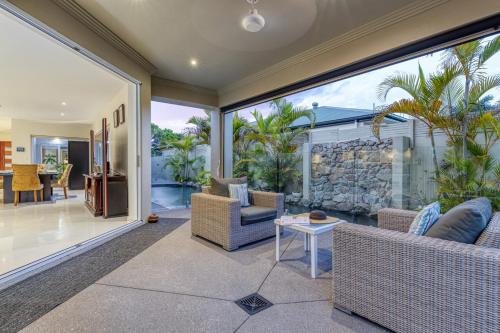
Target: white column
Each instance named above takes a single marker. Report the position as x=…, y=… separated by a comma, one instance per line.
x=228, y=145
x=215, y=155
x=306, y=170
x=401, y=172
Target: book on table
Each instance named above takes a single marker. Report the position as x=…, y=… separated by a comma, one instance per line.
x=294, y=219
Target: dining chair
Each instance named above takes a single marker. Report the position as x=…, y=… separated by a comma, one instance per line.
x=63, y=181
x=25, y=178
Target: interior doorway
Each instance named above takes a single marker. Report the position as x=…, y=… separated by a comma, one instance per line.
x=84, y=181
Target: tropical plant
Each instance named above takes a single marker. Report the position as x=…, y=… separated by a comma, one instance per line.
x=469, y=60
x=454, y=101
x=201, y=128
x=202, y=178
x=242, y=148
x=160, y=139
x=426, y=102
x=184, y=167
x=462, y=180
x=50, y=159
x=276, y=143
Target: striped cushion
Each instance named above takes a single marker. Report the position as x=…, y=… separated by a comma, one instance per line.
x=240, y=192
x=425, y=219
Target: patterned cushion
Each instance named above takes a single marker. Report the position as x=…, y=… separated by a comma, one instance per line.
x=219, y=186
x=425, y=219
x=240, y=192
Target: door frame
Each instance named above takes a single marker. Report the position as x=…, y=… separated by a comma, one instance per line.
x=37, y=266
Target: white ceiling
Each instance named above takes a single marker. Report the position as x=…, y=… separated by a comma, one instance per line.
x=171, y=32
x=37, y=75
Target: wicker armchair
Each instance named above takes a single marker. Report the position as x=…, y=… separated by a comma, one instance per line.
x=411, y=283
x=218, y=218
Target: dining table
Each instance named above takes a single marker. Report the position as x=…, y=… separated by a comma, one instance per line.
x=27, y=196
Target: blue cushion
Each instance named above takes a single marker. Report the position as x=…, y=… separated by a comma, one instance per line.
x=463, y=223
x=425, y=219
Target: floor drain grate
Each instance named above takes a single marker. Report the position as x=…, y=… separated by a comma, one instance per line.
x=253, y=303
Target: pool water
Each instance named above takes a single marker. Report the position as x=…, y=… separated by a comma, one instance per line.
x=175, y=196
x=172, y=196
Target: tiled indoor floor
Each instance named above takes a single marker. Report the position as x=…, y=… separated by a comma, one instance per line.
x=32, y=231
x=186, y=284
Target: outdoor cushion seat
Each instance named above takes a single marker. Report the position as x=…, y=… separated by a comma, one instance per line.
x=218, y=218
x=256, y=214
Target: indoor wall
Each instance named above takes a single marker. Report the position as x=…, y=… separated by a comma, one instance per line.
x=56, y=18
x=23, y=130
x=118, y=136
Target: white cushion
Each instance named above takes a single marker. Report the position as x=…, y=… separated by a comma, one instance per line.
x=240, y=192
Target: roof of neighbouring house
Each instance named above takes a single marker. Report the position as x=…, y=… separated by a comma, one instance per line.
x=329, y=115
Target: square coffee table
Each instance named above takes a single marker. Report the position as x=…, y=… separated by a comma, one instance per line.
x=311, y=232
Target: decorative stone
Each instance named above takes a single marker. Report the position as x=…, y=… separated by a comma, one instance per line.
x=354, y=175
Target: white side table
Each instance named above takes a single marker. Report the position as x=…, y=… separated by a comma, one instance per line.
x=311, y=233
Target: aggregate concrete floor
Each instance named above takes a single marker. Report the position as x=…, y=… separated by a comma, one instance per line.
x=186, y=284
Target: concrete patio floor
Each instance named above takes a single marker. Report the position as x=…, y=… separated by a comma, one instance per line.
x=186, y=284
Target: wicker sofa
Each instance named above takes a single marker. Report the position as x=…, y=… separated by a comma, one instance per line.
x=219, y=219
x=411, y=283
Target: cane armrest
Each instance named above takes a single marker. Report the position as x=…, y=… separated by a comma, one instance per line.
x=395, y=219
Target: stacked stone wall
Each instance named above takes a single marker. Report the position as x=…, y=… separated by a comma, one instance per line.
x=353, y=176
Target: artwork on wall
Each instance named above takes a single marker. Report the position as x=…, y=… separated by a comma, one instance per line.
x=119, y=116
x=121, y=112
x=116, y=118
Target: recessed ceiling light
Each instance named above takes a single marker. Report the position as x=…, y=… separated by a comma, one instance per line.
x=62, y=114
x=193, y=62
x=63, y=104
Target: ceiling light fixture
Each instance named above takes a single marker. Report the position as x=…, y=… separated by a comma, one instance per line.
x=253, y=22
x=63, y=104
x=62, y=114
x=193, y=62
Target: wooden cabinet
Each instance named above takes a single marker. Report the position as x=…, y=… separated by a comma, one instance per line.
x=93, y=194
x=116, y=191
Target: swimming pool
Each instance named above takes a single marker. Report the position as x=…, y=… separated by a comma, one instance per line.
x=172, y=196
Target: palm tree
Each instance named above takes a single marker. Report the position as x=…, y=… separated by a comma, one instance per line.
x=242, y=147
x=469, y=59
x=181, y=163
x=201, y=128
x=427, y=102
x=277, y=142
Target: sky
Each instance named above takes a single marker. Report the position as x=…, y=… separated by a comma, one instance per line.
x=173, y=116
x=356, y=92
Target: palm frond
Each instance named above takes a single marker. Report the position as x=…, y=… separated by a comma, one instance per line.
x=489, y=50
x=481, y=86
x=407, y=82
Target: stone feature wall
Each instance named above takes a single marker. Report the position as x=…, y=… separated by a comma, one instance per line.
x=353, y=176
